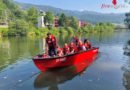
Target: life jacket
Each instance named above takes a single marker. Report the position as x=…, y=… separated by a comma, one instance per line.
x=51, y=42
x=76, y=40
x=80, y=47
x=89, y=44
x=72, y=47
x=59, y=51
x=66, y=50
x=86, y=46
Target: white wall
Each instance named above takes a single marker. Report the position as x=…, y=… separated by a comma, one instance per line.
x=41, y=22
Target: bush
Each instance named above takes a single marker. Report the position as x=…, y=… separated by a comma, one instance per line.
x=20, y=27
x=70, y=30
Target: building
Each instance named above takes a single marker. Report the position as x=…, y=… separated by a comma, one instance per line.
x=82, y=24
x=56, y=22
x=41, y=22
x=41, y=19
x=42, y=13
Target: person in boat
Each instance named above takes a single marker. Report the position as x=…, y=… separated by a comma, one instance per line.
x=66, y=49
x=51, y=44
x=75, y=40
x=87, y=44
x=72, y=48
x=59, y=51
x=81, y=47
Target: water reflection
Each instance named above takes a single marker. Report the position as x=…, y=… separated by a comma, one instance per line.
x=52, y=78
x=126, y=68
x=14, y=48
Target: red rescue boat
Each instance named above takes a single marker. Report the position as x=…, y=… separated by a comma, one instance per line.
x=61, y=61
x=52, y=78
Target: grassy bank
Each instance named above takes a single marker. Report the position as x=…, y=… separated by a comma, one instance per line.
x=61, y=30
x=3, y=31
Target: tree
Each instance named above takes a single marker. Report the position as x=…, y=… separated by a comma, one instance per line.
x=85, y=29
x=101, y=24
x=97, y=27
x=49, y=18
x=2, y=15
x=33, y=16
x=12, y=28
x=90, y=27
x=19, y=14
x=109, y=24
x=74, y=22
x=63, y=20
x=22, y=27
x=127, y=20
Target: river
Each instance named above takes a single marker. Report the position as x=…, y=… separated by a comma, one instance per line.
x=110, y=71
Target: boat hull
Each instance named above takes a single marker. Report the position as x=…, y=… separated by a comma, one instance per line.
x=49, y=63
x=58, y=76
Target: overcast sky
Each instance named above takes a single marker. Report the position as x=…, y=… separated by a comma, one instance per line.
x=89, y=5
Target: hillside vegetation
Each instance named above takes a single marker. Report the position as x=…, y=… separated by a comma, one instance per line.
x=24, y=22
x=87, y=16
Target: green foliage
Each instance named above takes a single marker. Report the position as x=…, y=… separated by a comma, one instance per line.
x=127, y=20
x=109, y=24
x=19, y=20
x=70, y=30
x=86, y=16
x=63, y=31
x=2, y=15
x=49, y=19
x=101, y=24
x=63, y=20
x=19, y=14
x=33, y=16
x=90, y=27
x=12, y=27
x=25, y=22
x=12, y=10
x=100, y=27
x=85, y=29
x=20, y=27
x=73, y=22
x=4, y=31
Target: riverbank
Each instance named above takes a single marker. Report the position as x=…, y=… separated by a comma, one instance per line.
x=7, y=32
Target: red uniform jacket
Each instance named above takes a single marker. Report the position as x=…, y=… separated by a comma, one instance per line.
x=51, y=42
x=66, y=50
